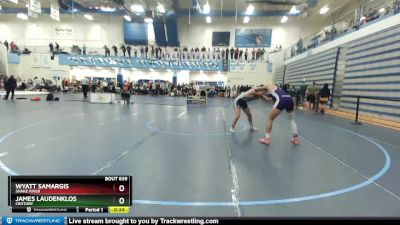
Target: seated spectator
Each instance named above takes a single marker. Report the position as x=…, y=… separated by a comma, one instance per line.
x=14, y=48
x=125, y=95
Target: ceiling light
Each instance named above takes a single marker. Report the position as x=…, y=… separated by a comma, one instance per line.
x=284, y=19
x=206, y=9
x=127, y=18
x=382, y=10
x=137, y=8
x=22, y=16
x=148, y=20
x=160, y=8
x=152, y=70
x=208, y=19
x=168, y=70
x=246, y=19
x=107, y=9
x=250, y=9
x=324, y=10
x=363, y=18
x=0, y=7
x=88, y=16
x=134, y=69
x=294, y=10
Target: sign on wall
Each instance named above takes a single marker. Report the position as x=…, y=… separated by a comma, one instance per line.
x=232, y=67
x=254, y=38
x=54, y=12
x=34, y=6
x=240, y=67
x=40, y=60
x=63, y=31
x=252, y=66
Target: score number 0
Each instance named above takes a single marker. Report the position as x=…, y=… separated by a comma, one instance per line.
x=121, y=200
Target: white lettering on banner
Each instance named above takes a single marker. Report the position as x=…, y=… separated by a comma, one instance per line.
x=35, y=6
x=54, y=12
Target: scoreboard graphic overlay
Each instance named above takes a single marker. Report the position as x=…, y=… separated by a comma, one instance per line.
x=74, y=194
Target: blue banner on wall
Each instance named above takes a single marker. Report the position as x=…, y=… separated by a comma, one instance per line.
x=135, y=33
x=253, y=38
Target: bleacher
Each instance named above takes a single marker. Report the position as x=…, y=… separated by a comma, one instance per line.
x=373, y=70
x=279, y=75
x=319, y=68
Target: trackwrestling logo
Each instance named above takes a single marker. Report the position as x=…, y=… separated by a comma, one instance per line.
x=33, y=221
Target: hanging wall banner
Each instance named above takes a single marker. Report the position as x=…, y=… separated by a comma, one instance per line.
x=35, y=6
x=253, y=38
x=54, y=12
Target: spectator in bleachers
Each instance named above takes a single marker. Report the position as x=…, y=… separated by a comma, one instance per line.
x=146, y=51
x=300, y=46
x=129, y=49
x=106, y=50
x=123, y=49
x=253, y=54
x=15, y=48
x=263, y=53
x=157, y=52
x=135, y=51
x=237, y=54
x=84, y=50
x=258, y=54
x=6, y=44
x=51, y=46
x=333, y=32
x=57, y=47
x=142, y=51
x=232, y=51
x=246, y=54
x=152, y=52
x=115, y=49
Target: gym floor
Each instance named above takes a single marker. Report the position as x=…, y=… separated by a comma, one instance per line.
x=184, y=163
